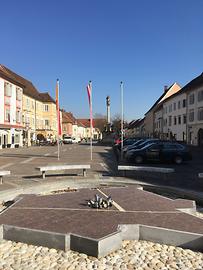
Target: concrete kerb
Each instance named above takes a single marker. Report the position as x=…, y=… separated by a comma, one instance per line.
x=37, y=237
x=103, y=246
x=183, y=239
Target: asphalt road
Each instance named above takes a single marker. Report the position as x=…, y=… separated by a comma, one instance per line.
x=23, y=161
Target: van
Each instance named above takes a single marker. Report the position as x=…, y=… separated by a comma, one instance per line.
x=67, y=140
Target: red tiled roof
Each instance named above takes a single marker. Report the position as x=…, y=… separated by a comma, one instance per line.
x=84, y=122
x=45, y=97
x=97, y=122
x=68, y=117
x=28, y=88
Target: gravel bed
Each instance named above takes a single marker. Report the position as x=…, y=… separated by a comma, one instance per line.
x=139, y=255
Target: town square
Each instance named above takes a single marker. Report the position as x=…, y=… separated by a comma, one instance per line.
x=101, y=135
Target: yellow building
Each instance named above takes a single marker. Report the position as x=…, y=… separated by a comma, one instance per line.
x=47, y=112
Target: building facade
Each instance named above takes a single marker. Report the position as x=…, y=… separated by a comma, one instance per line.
x=174, y=117
x=195, y=115
x=11, y=96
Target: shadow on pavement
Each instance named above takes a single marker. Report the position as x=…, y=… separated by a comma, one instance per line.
x=185, y=175
x=50, y=175
x=26, y=155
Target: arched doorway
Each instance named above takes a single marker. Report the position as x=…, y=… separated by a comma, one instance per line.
x=200, y=137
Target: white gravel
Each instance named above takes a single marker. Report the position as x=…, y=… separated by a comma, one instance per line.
x=139, y=255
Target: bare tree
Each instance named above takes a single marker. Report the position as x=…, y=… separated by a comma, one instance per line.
x=116, y=124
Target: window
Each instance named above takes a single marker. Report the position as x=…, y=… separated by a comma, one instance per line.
x=18, y=116
x=200, y=95
x=46, y=108
x=191, y=99
x=169, y=120
x=7, y=89
x=17, y=138
x=179, y=119
x=191, y=115
x=7, y=115
x=46, y=122
x=200, y=114
x=184, y=119
x=28, y=103
x=154, y=147
x=174, y=106
x=175, y=120
x=18, y=94
x=179, y=146
x=184, y=103
x=169, y=146
x=170, y=108
x=7, y=100
x=179, y=104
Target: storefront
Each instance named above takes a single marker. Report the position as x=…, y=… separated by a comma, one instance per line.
x=10, y=138
x=3, y=138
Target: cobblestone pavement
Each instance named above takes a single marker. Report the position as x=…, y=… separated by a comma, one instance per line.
x=138, y=255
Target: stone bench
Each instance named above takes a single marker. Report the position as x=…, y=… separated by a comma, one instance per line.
x=44, y=169
x=200, y=175
x=145, y=169
x=2, y=173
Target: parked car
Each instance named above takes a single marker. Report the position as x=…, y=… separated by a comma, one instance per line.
x=76, y=140
x=140, y=144
x=160, y=151
x=126, y=142
x=67, y=140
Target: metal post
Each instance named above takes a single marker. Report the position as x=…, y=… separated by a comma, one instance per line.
x=121, y=87
x=91, y=119
x=58, y=112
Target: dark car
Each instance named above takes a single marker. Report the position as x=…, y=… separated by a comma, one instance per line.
x=127, y=141
x=139, y=144
x=160, y=151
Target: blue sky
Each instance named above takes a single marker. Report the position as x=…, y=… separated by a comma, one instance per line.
x=146, y=44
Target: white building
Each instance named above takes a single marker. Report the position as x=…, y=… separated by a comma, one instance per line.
x=174, y=117
x=11, y=95
x=159, y=125
x=195, y=111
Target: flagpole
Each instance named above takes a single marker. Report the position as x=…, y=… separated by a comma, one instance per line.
x=121, y=86
x=58, y=111
x=91, y=122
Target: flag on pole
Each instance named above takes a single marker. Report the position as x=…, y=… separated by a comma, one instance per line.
x=89, y=93
x=58, y=108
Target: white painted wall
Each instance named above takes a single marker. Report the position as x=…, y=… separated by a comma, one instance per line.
x=1, y=101
x=177, y=129
x=194, y=126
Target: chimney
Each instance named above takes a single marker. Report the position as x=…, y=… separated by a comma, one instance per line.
x=165, y=88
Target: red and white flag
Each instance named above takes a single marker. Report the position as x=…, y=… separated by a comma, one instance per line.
x=89, y=93
x=58, y=108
